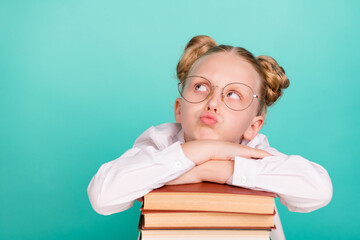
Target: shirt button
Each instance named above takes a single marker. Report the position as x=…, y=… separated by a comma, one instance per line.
x=178, y=164
x=243, y=179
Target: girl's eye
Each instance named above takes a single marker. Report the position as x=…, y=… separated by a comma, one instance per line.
x=200, y=87
x=233, y=95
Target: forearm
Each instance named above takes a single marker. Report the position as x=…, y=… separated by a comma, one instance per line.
x=192, y=176
x=214, y=160
x=118, y=183
x=301, y=185
x=218, y=171
x=200, y=151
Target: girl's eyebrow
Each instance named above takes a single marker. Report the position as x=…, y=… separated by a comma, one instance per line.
x=198, y=75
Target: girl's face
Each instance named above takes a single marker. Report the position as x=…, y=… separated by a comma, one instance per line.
x=212, y=119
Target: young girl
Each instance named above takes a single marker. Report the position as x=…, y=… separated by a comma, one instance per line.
x=224, y=92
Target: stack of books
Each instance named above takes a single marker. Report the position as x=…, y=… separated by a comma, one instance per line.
x=206, y=211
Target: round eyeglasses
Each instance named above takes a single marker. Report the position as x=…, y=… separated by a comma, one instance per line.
x=236, y=96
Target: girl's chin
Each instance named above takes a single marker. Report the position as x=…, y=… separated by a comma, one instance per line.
x=208, y=136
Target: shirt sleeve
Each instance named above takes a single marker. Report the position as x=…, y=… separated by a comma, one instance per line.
x=118, y=183
x=301, y=185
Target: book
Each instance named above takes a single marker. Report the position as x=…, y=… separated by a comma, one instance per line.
x=204, y=234
x=195, y=220
x=210, y=197
x=206, y=211
x=201, y=234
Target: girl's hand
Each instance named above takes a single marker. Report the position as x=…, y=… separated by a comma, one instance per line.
x=217, y=171
x=214, y=160
x=228, y=151
x=200, y=151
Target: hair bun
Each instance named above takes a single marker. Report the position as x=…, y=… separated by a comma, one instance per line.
x=275, y=79
x=197, y=46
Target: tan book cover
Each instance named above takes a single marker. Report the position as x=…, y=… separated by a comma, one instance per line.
x=209, y=197
x=209, y=221
x=196, y=234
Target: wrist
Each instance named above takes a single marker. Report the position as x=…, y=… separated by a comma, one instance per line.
x=206, y=171
x=201, y=172
x=199, y=151
x=218, y=171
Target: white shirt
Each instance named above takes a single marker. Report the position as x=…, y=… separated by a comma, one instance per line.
x=157, y=158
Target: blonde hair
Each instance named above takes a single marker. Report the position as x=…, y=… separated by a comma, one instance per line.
x=273, y=78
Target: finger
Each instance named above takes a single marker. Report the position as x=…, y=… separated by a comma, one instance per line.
x=259, y=154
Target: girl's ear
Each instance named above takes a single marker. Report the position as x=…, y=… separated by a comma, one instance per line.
x=254, y=128
x=177, y=110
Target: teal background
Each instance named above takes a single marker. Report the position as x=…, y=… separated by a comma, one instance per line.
x=80, y=80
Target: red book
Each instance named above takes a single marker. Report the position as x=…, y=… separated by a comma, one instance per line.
x=210, y=197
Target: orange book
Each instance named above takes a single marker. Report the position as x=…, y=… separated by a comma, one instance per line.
x=201, y=233
x=210, y=197
x=204, y=234
x=208, y=220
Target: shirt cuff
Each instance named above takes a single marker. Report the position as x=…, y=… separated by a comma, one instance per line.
x=176, y=159
x=245, y=172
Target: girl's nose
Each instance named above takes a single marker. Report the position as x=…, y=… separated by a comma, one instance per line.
x=214, y=100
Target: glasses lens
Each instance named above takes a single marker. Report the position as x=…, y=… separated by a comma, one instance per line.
x=196, y=89
x=238, y=96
